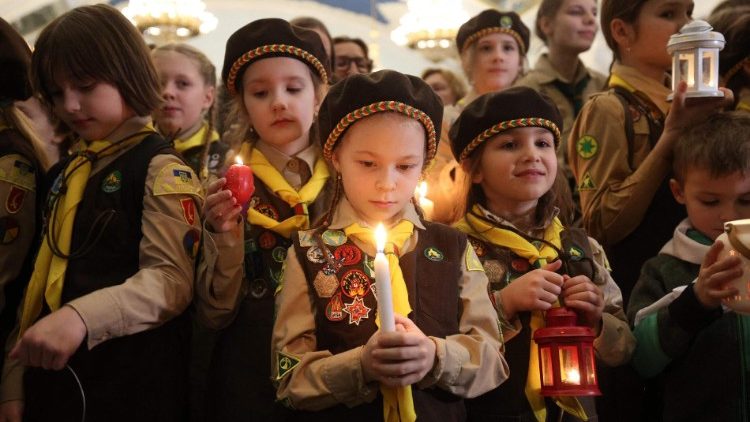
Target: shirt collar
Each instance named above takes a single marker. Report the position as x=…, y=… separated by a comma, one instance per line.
x=489, y=215
x=655, y=91
x=279, y=160
x=547, y=73
x=345, y=215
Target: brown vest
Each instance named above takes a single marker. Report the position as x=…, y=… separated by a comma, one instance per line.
x=340, y=279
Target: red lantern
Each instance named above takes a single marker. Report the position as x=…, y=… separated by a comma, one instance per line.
x=566, y=356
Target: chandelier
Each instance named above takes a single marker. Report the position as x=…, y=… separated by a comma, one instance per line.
x=430, y=27
x=170, y=20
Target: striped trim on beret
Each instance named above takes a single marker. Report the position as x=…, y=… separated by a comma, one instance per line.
x=511, y=124
x=495, y=29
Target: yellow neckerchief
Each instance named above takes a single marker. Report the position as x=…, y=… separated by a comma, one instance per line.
x=196, y=139
x=49, y=268
x=271, y=177
x=482, y=229
x=398, y=404
x=743, y=105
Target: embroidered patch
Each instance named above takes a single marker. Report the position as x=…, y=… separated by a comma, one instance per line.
x=267, y=240
x=250, y=246
x=495, y=271
x=357, y=311
x=335, y=308
x=17, y=172
x=112, y=182
x=355, y=283
x=315, y=255
x=587, y=147
x=520, y=265
x=369, y=267
x=278, y=254
x=258, y=288
x=268, y=210
x=15, y=199
x=188, y=210
x=325, y=285
x=334, y=237
x=472, y=261
x=587, y=183
x=478, y=247
x=191, y=242
x=348, y=254
x=433, y=254
x=576, y=253
x=254, y=201
x=9, y=230
x=276, y=275
x=332, y=267
x=506, y=22
x=306, y=238
x=284, y=364
x=176, y=179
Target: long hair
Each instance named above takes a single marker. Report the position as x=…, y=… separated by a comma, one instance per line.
x=16, y=119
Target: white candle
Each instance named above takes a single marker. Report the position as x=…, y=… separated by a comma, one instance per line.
x=383, y=283
x=428, y=207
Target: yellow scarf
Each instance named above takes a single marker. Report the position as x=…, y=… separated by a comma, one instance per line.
x=398, y=404
x=480, y=228
x=49, y=269
x=268, y=174
x=195, y=140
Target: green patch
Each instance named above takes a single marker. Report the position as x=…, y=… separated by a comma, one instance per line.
x=587, y=183
x=587, y=147
x=334, y=237
x=112, y=182
x=576, y=253
x=433, y=254
x=284, y=364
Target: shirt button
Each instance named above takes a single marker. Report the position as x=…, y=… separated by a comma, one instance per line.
x=293, y=165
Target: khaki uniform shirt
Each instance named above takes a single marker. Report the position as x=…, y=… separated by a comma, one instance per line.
x=614, y=192
x=220, y=283
x=163, y=287
x=615, y=343
x=541, y=79
x=466, y=364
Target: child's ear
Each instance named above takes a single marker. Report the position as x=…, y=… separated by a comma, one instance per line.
x=677, y=192
x=208, y=97
x=545, y=24
x=623, y=33
x=335, y=161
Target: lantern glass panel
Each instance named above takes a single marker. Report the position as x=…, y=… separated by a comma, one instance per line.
x=687, y=68
x=570, y=371
x=588, y=359
x=548, y=377
x=709, y=58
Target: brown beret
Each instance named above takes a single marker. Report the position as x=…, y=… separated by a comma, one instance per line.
x=362, y=95
x=273, y=37
x=15, y=59
x=497, y=112
x=491, y=21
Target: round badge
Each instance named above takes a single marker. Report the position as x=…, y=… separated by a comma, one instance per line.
x=520, y=265
x=576, y=253
x=355, y=283
x=587, y=147
x=278, y=254
x=267, y=240
x=268, y=210
x=433, y=254
x=506, y=22
x=334, y=237
x=112, y=182
x=9, y=230
x=258, y=288
x=331, y=268
x=347, y=254
x=191, y=242
x=335, y=308
x=478, y=247
x=315, y=255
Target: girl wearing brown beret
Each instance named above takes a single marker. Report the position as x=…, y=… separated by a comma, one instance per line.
x=334, y=357
x=531, y=258
x=277, y=75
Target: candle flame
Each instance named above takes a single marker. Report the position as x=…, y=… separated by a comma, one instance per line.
x=421, y=191
x=380, y=237
x=573, y=376
x=238, y=159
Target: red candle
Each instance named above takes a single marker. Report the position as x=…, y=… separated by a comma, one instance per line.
x=240, y=181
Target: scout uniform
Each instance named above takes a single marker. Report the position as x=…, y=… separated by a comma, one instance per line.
x=241, y=270
x=445, y=177
x=20, y=176
x=192, y=147
x=568, y=96
x=128, y=274
x=327, y=307
x=625, y=196
x=507, y=253
x=696, y=357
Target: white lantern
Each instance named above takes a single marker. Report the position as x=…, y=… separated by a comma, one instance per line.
x=695, y=59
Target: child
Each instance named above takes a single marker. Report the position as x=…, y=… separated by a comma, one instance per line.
x=187, y=115
x=493, y=47
x=695, y=352
x=22, y=167
x=114, y=273
x=277, y=75
x=530, y=258
x=734, y=59
x=331, y=362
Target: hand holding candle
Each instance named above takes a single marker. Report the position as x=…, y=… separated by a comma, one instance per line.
x=428, y=207
x=240, y=181
x=383, y=283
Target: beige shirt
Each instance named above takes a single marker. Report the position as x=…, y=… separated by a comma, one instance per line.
x=289, y=166
x=466, y=364
x=614, y=192
x=615, y=344
x=162, y=288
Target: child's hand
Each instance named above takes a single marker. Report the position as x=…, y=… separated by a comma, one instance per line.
x=220, y=208
x=685, y=111
x=52, y=340
x=710, y=288
x=534, y=291
x=585, y=297
x=398, y=358
x=11, y=411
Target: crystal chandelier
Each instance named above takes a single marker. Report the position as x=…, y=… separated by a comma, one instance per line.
x=170, y=20
x=430, y=27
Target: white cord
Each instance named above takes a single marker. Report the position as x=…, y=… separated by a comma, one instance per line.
x=80, y=388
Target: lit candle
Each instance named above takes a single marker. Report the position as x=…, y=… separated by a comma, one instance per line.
x=240, y=181
x=383, y=283
x=428, y=207
x=572, y=376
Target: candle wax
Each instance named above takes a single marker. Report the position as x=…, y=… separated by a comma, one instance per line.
x=385, y=297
